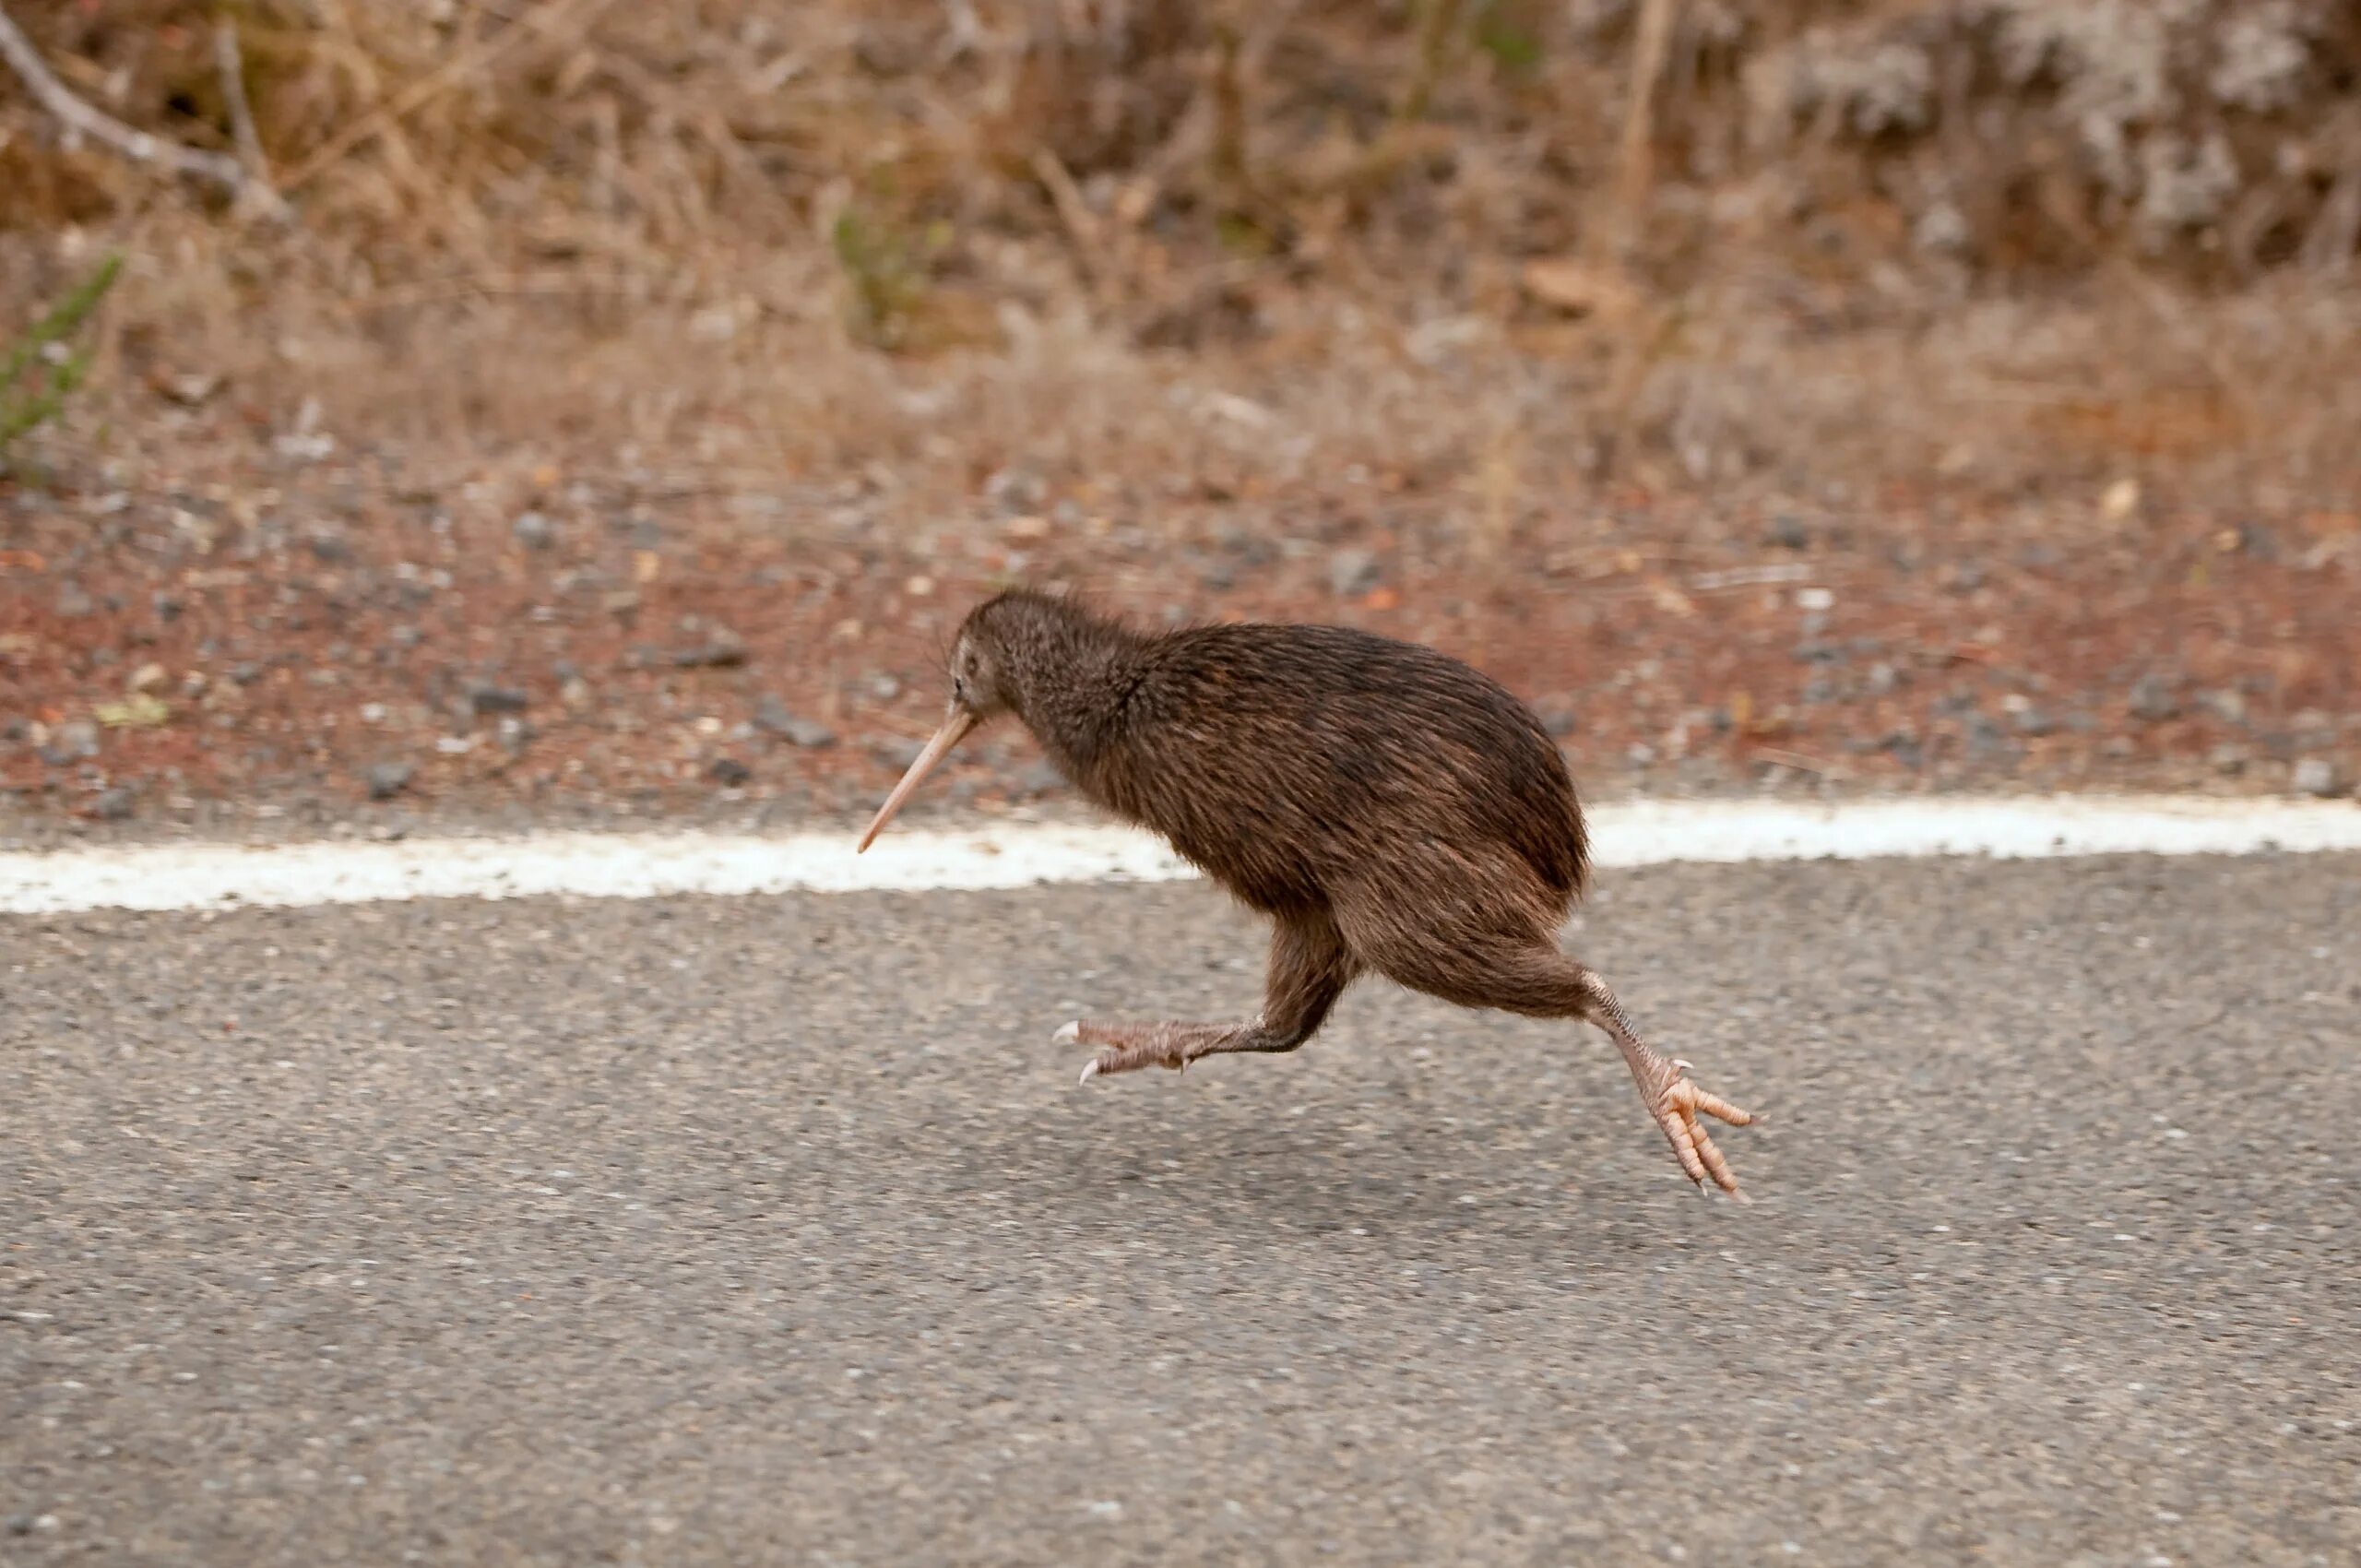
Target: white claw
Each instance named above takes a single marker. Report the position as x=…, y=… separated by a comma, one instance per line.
x=1088, y=1073
x=1068, y=1033
x=1684, y=1067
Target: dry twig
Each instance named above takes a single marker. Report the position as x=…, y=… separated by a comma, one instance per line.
x=76, y=116
x=1638, y=156
x=1081, y=223
x=258, y=193
x=228, y=60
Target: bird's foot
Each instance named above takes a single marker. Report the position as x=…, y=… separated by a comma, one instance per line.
x=1130, y=1047
x=1676, y=1104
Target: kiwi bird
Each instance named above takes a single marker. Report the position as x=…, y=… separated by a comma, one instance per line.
x=1392, y=810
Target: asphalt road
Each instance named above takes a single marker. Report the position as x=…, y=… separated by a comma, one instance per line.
x=778, y=1230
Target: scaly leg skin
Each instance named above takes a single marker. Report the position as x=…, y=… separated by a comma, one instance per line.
x=1309, y=969
x=1672, y=1099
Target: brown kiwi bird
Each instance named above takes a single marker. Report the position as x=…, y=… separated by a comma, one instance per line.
x=1392, y=809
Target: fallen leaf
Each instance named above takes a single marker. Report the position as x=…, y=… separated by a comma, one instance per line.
x=190, y=389
x=1670, y=599
x=1576, y=289
x=137, y=711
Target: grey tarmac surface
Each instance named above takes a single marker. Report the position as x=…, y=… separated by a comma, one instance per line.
x=778, y=1230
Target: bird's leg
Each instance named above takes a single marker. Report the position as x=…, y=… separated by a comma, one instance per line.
x=1309, y=969
x=1671, y=1099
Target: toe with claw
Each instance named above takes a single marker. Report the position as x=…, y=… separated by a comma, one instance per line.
x=1129, y=1047
x=1678, y=1104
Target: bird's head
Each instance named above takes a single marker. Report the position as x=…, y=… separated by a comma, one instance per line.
x=1003, y=647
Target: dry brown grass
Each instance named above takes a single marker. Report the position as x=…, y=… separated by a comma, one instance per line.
x=1148, y=243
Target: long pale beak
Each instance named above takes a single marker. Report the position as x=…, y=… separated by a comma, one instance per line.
x=956, y=726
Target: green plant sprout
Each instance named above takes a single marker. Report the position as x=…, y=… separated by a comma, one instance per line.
x=35, y=381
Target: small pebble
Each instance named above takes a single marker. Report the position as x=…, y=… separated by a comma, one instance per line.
x=485, y=697
x=2228, y=705
x=2317, y=776
x=1786, y=532
x=772, y=717
x=113, y=805
x=722, y=650
x=2154, y=700
x=1352, y=572
x=387, y=779
x=533, y=530
x=809, y=733
x=728, y=772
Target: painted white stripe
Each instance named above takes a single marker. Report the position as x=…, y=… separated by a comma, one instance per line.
x=618, y=865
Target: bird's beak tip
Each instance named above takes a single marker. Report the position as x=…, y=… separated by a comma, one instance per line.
x=954, y=725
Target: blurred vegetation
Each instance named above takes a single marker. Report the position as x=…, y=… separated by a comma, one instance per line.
x=2000, y=138
x=923, y=175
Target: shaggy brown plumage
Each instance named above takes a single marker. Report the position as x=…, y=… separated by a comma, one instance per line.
x=1391, y=810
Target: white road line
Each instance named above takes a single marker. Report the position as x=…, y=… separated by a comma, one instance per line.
x=616, y=865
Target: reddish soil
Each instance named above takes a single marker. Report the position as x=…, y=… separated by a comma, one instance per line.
x=297, y=621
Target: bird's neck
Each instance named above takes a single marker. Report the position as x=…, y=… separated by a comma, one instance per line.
x=1078, y=678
